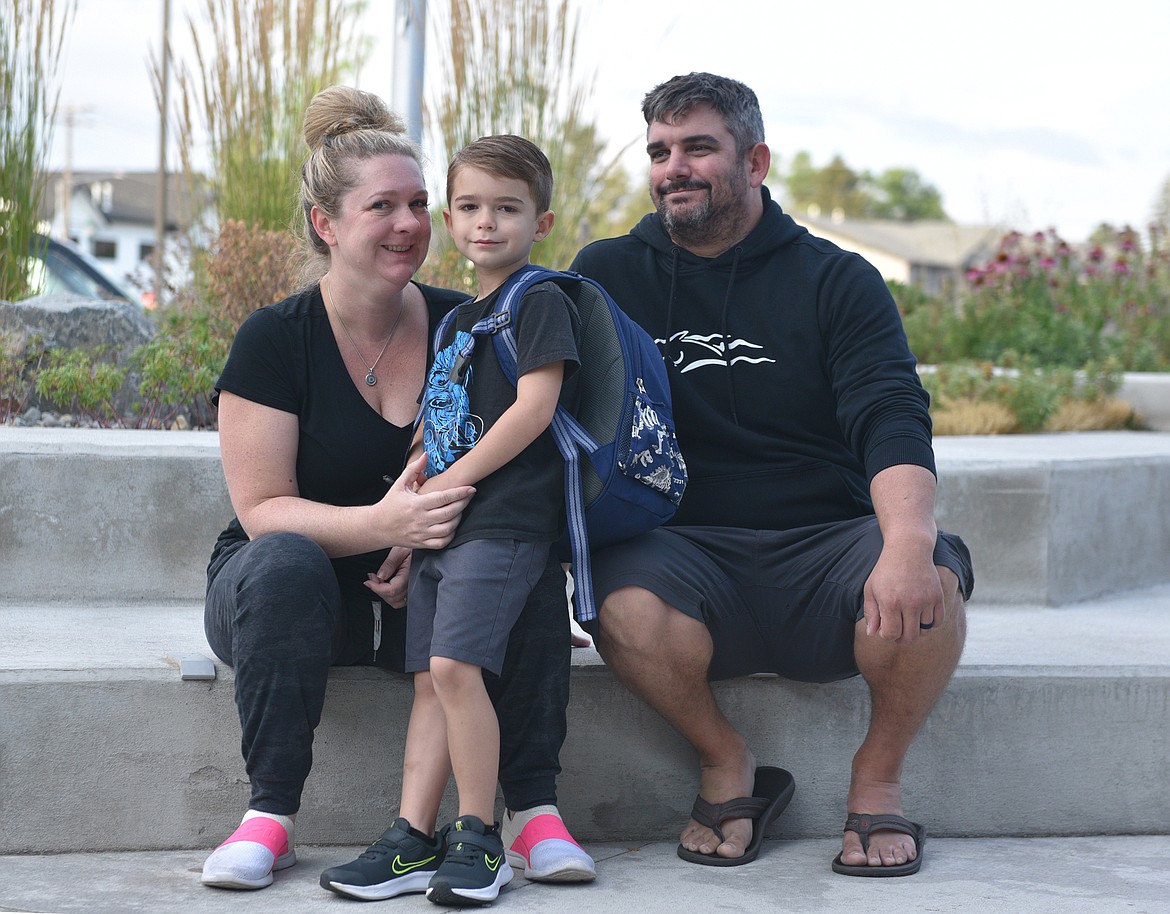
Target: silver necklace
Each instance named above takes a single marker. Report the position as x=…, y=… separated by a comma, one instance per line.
x=371, y=378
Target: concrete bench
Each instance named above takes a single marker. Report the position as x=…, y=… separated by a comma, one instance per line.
x=1055, y=723
x=131, y=515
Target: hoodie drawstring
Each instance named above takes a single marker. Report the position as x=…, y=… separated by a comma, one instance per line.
x=723, y=332
x=670, y=308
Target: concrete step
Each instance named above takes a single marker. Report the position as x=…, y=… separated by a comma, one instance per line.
x=1119, y=875
x=130, y=516
x=1054, y=725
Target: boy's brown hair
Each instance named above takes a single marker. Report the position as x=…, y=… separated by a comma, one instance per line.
x=507, y=156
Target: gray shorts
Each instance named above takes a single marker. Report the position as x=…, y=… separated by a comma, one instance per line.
x=463, y=601
x=782, y=602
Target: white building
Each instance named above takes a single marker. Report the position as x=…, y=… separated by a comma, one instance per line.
x=932, y=255
x=111, y=217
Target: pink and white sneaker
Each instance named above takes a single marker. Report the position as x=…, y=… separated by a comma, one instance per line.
x=247, y=859
x=537, y=842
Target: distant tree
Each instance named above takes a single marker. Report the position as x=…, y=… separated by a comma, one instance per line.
x=902, y=195
x=832, y=189
x=1104, y=235
x=897, y=193
x=800, y=182
x=32, y=33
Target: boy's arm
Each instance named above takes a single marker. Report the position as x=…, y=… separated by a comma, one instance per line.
x=416, y=444
x=537, y=393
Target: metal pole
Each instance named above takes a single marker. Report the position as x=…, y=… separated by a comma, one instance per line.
x=160, y=207
x=410, y=20
x=67, y=176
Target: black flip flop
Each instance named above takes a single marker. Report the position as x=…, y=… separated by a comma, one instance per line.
x=771, y=794
x=866, y=825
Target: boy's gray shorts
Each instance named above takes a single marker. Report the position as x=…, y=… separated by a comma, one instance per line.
x=782, y=602
x=464, y=600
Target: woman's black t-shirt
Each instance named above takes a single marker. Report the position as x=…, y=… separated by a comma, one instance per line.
x=285, y=356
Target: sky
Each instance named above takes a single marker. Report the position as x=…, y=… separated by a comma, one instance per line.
x=1027, y=114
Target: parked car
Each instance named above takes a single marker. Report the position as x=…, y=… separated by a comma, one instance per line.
x=58, y=267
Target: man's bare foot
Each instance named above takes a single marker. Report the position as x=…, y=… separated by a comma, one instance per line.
x=718, y=784
x=886, y=848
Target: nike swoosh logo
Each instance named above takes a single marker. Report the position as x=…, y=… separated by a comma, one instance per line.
x=492, y=862
x=401, y=869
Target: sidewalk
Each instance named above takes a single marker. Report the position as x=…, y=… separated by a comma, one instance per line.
x=1097, y=875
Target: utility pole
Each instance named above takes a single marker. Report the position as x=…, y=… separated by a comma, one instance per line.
x=69, y=112
x=410, y=25
x=160, y=203
x=69, y=115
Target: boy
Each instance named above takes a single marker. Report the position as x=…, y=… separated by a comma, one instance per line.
x=463, y=601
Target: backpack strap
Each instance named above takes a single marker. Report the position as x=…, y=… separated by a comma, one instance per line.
x=436, y=344
x=569, y=435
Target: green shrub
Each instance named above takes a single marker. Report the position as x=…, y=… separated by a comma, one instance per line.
x=178, y=370
x=19, y=363
x=1032, y=395
x=78, y=381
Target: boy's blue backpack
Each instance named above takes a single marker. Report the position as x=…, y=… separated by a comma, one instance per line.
x=633, y=476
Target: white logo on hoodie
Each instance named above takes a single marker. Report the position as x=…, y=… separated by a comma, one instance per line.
x=693, y=350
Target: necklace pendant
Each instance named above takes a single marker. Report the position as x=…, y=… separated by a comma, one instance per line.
x=371, y=380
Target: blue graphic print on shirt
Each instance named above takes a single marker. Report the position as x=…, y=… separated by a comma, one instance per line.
x=450, y=429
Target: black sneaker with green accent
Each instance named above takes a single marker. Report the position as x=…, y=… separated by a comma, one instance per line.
x=474, y=868
x=402, y=860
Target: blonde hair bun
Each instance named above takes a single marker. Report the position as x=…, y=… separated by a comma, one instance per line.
x=340, y=110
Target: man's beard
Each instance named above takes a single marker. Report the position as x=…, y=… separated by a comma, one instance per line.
x=708, y=219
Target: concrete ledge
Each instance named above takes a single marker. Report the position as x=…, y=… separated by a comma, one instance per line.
x=1050, y=519
x=1053, y=725
x=1149, y=394
x=110, y=515
x=1054, y=519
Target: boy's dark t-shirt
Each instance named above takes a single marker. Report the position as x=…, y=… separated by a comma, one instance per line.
x=524, y=499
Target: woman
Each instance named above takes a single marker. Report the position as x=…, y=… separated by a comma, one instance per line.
x=316, y=404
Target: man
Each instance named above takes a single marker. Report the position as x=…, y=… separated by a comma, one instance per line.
x=805, y=544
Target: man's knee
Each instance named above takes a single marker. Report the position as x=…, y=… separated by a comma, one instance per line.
x=630, y=617
x=636, y=622
x=954, y=606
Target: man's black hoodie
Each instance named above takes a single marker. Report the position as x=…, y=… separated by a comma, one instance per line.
x=792, y=381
